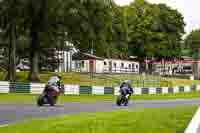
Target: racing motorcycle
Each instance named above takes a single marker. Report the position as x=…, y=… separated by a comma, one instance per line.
x=49, y=96
x=122, y=99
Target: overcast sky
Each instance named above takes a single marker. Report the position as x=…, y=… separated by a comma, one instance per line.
x=189, y=8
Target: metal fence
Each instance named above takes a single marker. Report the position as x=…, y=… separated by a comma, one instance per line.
x=113, y=79
x=120, y=70
x=137, y=80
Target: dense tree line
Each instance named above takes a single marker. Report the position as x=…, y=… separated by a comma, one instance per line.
x=192, y=43
x=140, y=29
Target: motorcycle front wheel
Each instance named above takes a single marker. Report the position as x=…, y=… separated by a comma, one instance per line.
x=119, y=100
x=125, y=101
x=40, y=100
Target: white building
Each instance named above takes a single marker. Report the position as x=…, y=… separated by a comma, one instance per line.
x=65, y=58
x=174, y=67
x=88, y=63
x=72, y=60
x=121, y=66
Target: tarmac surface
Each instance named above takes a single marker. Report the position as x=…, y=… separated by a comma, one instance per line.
x=11, y=113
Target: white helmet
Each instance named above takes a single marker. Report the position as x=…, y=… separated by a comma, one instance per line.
x=127, y=81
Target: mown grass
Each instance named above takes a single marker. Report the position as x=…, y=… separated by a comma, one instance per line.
x=28, y=98
x=160, y=120
x=109, y=80
x=181, y=82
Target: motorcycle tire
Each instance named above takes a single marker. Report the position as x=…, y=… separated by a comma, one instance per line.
x=118, y=101
x=51, y=100
x=40, y=101
x=55, y=98
x=125, y=101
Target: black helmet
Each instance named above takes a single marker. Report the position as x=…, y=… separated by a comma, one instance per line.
x=59, y=77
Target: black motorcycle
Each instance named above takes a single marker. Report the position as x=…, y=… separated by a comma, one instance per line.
x=49, y=96
x=122, y=99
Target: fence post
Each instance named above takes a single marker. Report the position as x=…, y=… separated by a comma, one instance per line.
x=143, y=82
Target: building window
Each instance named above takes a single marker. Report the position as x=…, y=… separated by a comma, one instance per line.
x=129, y=65
x=136, y=66
x=122, y=65
x=105, y=63
x=82, y=63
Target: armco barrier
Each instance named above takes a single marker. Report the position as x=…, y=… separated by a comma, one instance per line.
x=188, y=89
x=116, y=91
x=19, y=87
x=176, y=89
x=97, y=90
x=4, y=87
x=152, y=90
x=198, y=87
x=35, y=88
x=72, y=89
x=85, y=90
x=159, y=90
x=164, y=90
x=137, y=91
x=108, y=90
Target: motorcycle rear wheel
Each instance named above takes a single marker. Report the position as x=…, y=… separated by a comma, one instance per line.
x=51, y=100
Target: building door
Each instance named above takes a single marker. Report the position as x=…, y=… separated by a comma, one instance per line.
x=91, y=66
x=110, y=66
x=133, y=67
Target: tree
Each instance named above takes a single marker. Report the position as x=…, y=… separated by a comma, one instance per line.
x=192, y=39
x=81, y=20
x=87, y=23
x=154, y=30
x=35, y=22
x=171, y=22
x=10, y=16
x=119, y=33
x=114, y=44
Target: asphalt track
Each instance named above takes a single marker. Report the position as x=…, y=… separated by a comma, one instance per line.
x=11, y=113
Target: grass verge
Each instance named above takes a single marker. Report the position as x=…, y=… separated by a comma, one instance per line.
x=165, y=120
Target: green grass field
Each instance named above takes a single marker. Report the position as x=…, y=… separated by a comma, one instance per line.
x=109, y=80
x=172, y=120
x=28, y=98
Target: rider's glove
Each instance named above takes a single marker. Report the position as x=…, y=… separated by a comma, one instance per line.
x=127, y=95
